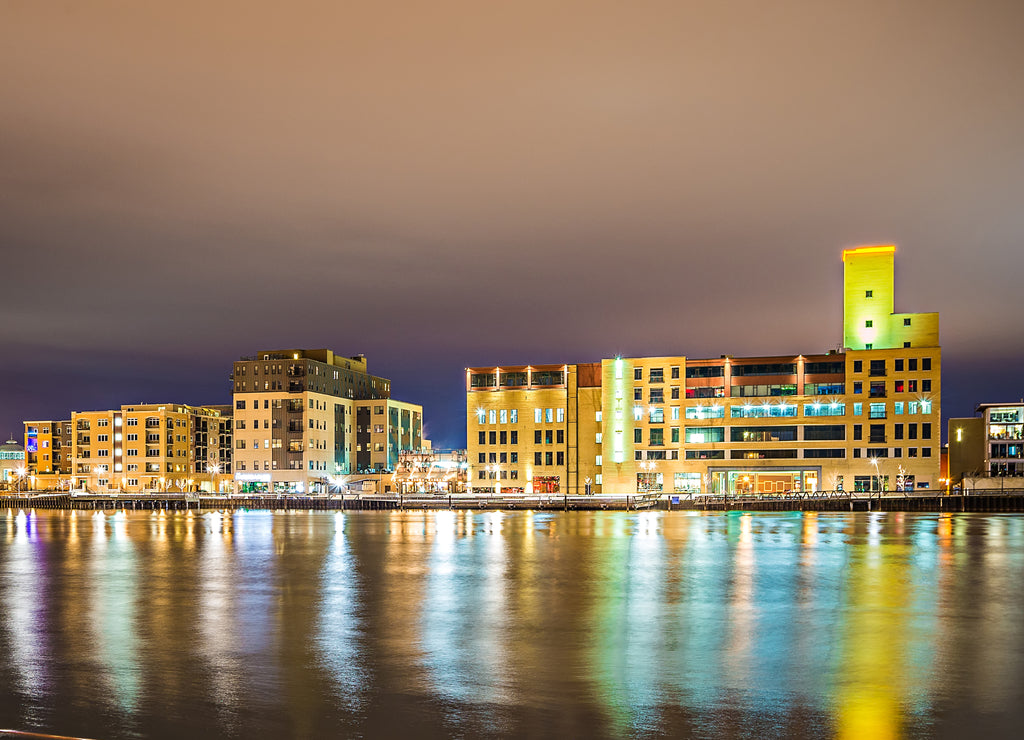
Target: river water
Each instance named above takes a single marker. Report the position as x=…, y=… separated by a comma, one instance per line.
x=524, y=624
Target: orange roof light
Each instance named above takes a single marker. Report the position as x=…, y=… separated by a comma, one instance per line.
x=881, y=248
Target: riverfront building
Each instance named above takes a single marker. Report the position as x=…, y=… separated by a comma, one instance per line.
x=305, y=418
x=143, y=448
x=48, y=450
x=864, y=417
x=989, y=448
x=12, y=465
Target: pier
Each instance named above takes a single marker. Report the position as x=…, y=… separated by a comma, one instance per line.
x=1010, y=500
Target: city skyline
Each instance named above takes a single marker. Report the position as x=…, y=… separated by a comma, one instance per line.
x=454, y=186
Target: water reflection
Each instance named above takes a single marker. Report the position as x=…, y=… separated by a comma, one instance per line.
x=601, y=624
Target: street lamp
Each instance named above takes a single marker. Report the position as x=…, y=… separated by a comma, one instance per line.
x=878, y=478
x=21, y=477
x=212, y=469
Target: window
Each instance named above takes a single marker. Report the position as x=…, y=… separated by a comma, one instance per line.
x=926, y=363
x=514, y=416
x=857, y=433
x=492, y=416
x=597, y=417
x=897, y=408
x=906, y=322
x=700, y=435
x=132, y=422
x=514, y=437
x=897, y=431
x=482, y=438
x=869, y=323
x=481, y=457
x=858, y=366
x=926, y=452
x=560, y=436
x=906, y=345
x=858, y=387
x=536, y=458
x=536, y=416
x=675, y=373
x=513, y=456
x=657, y=436
x=560, y=458
x=240, y=404
x=876, y=411
x=868, y=293
x=675, y=413
x=597, y=461
x=825, y=409
x=912, y=386
x=675, y=393
x=912, y=431
x=537, y=436
x=656, y=375
x=656, y=415
x=560, y=416
x=503, y=438
x=912, y=364
x=858, y=409
x=876, y=433
x=638, y=394
x=926, y=431
x=548, y=415
x=548, y=458
x=638, y=373
x=675, y=435
x=899, y=366
x=598, y=437
x=492, y=438
x=869, y=345
x=926, y=385
x=132, y=452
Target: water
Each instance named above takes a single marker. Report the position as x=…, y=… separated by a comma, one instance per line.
x=462, y=624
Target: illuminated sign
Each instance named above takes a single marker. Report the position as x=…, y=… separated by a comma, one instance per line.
x=33, y=444
x=253, y=477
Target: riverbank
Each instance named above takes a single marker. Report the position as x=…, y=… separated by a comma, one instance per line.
x=1005, y=501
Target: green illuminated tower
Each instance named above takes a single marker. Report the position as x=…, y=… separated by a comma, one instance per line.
x=868, y=301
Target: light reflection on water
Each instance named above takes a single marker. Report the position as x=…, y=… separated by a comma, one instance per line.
x=156, y=624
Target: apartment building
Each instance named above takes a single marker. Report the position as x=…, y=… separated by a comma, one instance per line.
x=864, y=417
x=989, y=448
x=48, y=451
x=150, y=448
x=304, y=417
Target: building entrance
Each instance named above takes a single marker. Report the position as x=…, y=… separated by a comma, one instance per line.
x=764, y=482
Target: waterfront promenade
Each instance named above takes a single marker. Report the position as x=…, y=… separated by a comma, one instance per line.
x=1009, y=500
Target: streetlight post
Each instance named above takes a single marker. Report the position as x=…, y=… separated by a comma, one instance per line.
x=878, y=478
x=212, y=469
x=21, y=478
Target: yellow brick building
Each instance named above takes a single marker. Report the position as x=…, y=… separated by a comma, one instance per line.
x=864, y=418
x=144, y=448
x=307, y=418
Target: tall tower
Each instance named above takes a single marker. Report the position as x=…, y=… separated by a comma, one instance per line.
x=868, y=302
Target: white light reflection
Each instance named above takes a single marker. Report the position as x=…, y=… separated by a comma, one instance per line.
x=112, y=610
x=338, y=624
x=464, y=617
x=217, y=616
x=24, y=621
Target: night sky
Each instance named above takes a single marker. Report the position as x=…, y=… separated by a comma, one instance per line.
x=446, y=184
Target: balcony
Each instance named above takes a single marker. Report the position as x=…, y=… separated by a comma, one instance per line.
x=876, y=440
